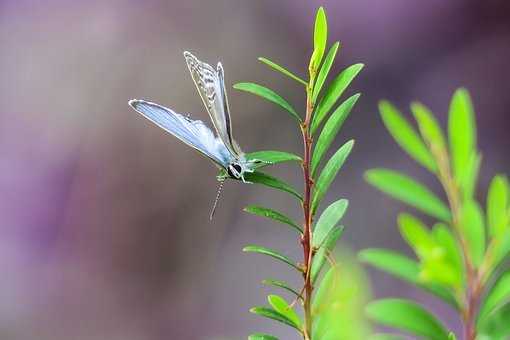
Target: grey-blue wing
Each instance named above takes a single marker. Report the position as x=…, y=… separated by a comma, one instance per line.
x=192, y=132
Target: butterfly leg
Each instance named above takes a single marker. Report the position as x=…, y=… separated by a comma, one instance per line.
x=244, y=180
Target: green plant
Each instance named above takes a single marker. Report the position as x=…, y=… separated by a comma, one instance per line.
x=317, y=237
x=460, y=258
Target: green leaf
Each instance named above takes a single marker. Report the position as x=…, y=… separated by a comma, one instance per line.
x=333, y=92
x=272, y=314
x=282, y=70
x=406, y=136
x=416, y=235
x=391, y=262
x=428, y=125
x=461, y=132
x=407, y=316
x=323, y=73
x=320, y=37
x=497, y=205
x=498, y=296
x=327, y=247
x=496, y=326
x=453, y=252
x=261, y=336
x=327, y=221
x=327, y=285
x=470, y=176
x=473, y=230
x=409, y=191
x=405, y=269
x=280, y=284
x=272, y=157
x=435, y=262
x=272, y=182
x=269, y=95
x=271, y=252
x=280, y=305
x=272, y=214
x=330, y=130
x=501, y=249
x=329, y=173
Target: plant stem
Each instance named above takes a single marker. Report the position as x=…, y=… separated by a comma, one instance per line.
x=306, y=238
x=474, y=277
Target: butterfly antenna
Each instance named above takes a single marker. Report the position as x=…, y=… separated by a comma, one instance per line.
x=218, y=194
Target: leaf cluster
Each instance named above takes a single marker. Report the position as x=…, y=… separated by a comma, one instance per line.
x=458, y=259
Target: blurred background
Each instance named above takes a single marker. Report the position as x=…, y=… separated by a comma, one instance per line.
x=104, y=229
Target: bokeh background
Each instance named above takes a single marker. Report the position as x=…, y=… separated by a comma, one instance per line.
x=104, y=230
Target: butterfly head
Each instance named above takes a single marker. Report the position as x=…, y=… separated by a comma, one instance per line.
x=238, y=168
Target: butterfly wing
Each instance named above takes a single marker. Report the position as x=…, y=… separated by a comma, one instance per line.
x=211, y=87
x=192, y=132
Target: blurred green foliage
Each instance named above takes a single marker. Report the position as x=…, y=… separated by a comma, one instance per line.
x=459, y=258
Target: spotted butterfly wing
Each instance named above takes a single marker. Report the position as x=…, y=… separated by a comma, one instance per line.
x=210, y=84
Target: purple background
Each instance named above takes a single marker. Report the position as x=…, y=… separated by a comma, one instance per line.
x=104, y=230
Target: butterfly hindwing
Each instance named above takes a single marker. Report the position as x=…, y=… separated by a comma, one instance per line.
x=192, y=132
x=211, y=87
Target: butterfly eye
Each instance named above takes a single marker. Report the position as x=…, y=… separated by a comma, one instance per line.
x=237, y=167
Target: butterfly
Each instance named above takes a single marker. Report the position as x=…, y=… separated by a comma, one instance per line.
x=221, y=149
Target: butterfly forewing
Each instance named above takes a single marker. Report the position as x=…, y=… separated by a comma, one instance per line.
x=192, y=132
x=211, y=87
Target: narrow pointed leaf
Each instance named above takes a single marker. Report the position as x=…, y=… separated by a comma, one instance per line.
x=428, y=125
x=272, y=314
x=409, y=191
x=272, y=157
x=498, y=295
x=461, y=131
x=330, y=130
x=327, y=285
x=272, y=214
x=328, y=220
x=416, y=234
x=271, y=252
x=282, y=70
x=405, y=269
x=324, y=70
x=280, y=305
x=497, y=205
x=269, y=95
x=320, y=37
x=473, y=230
x=329, y=173
x=280, y=284
x=332, y=93
x=272, y=182
x=496, y=325
x=261, y=336
x=470, y=176
x=407, y=316
x=406, y=136
x=327, y=247
x=452, y=257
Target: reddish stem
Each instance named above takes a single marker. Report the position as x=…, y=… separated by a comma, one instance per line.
x=306, y=238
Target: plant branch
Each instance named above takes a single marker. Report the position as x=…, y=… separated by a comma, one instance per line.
x=474, y=278
x=306, y=238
